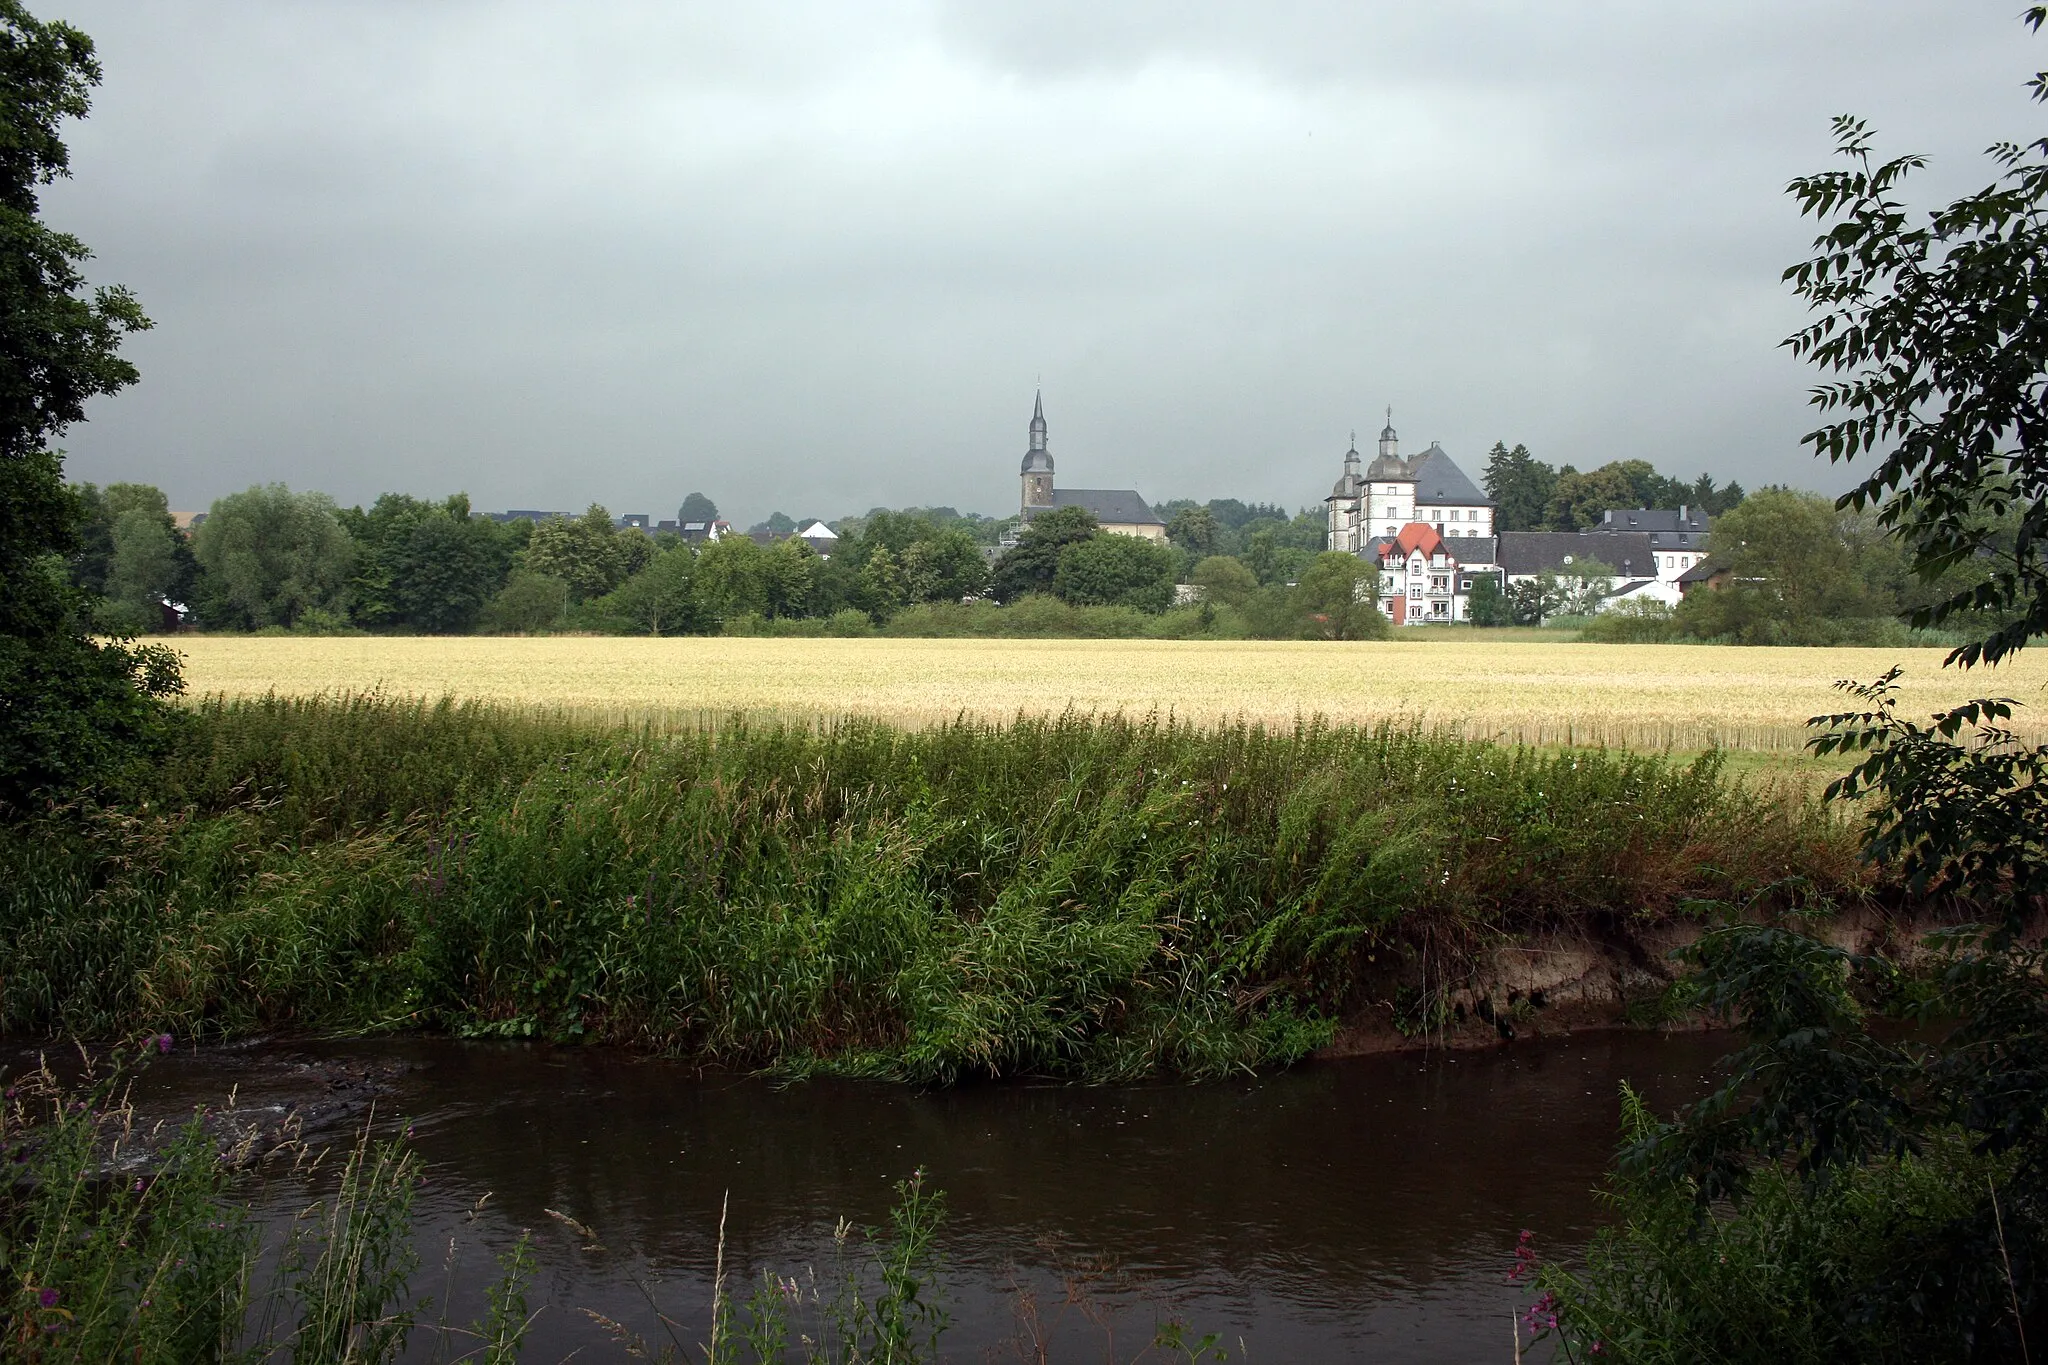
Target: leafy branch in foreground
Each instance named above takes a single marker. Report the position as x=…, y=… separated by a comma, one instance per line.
x=1940, y=332
x=1856, y=1192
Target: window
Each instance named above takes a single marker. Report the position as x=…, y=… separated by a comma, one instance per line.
x=1439, y=582
x=1464, y=585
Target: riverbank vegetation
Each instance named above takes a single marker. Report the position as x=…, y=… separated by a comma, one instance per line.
x=1091, y=898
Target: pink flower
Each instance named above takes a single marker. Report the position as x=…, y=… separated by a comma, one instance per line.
x=163, y=1042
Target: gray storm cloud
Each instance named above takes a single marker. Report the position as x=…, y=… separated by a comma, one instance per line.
x=816, y=256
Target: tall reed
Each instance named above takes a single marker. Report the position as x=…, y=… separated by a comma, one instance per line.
x=1087, y=897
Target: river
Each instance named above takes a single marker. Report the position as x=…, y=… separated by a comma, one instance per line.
x=1357, y=1210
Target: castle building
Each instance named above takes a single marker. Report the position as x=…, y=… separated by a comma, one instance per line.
x=1121, y=510
x=1392, y=492
x=1422, y=521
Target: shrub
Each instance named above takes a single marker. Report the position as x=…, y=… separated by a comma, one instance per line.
x=1631, y=623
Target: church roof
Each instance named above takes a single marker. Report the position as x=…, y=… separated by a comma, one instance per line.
x=1120, y=505
x=1037, y=462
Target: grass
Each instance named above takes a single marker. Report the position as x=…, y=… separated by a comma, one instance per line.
x=1651, y=697
x=1089, y=897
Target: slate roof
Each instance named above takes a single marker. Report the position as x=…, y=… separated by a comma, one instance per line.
x=1701, y=572
x=1683, y=528
x=1531, y=552
x=1653, y=519
x=1440, y=483
x=1467, y=552
x=1120, y=505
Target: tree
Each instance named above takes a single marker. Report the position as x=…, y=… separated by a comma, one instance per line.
x=731, y=579
x=1224, y=580
x=1338, y=597
x=589, y=554
x=1647, y=487
x=790, y=577
x=697, y=507
x=1487, y=605
x=1939, y=334
x=424, y=566
x=882, y=587
x=1582, y=586
x=1116, y=571
x=1030, y=564
x=1520, y=486
x=1262, y=556
x=270, y=556
x=74, y=709
x=946, y=566
x=1791, y=571
x=148, y=564
x=529, y=602
x=1711, y=500
x=1578, y=501
x=1196, y=530
x=131, y=553
x=777, y=524
x=659, y=599
x=1534, y=600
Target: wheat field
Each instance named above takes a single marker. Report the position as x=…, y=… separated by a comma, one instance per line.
x=1640, y=696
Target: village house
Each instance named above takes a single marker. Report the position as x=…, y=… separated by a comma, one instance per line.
x=1427, y=578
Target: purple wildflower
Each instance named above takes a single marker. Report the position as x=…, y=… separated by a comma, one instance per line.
x=48, y=1298
x=163, y=1042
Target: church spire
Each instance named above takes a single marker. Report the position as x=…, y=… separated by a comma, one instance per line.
x=1037, y=469
x=1390, y=444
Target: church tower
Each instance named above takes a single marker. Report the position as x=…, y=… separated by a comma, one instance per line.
x=1037, y=463
x=1390, y=444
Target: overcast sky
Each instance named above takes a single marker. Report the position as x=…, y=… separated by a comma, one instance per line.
x=815, y=256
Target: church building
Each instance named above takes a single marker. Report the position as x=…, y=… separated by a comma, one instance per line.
x=1120, y=510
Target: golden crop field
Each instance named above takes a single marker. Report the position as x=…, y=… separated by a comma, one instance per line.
x=1642, y=696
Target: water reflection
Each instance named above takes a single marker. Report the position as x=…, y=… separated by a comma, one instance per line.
x=1356, y=1210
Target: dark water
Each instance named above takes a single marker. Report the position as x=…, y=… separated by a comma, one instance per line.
x=1362, y=1210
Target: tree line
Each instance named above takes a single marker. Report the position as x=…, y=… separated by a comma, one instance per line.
x=272, y=559
x=1530, y=495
